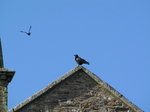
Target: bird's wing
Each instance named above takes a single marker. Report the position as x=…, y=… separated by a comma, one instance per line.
x=23, y=32
x=30, y=28
x=84, y=61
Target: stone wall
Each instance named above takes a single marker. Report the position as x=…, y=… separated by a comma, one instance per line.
x=3, y=99
x=77, y=93
x=5, y=77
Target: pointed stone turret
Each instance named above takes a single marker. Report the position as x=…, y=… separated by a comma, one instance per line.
x=5, y=77
x=1, y=56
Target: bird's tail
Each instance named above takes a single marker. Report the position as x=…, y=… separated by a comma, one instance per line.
x=87, y=63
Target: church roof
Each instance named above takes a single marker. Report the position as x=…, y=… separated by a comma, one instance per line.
x=93, y=76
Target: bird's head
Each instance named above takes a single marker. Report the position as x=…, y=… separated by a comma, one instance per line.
x=76, y=55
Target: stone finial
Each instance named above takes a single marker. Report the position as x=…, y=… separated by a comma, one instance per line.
x=1, y=56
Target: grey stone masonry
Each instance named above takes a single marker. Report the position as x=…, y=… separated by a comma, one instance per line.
x=5, y=77
x=77, y=91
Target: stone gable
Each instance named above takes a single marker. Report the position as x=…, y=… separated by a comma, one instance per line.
x=77, y=91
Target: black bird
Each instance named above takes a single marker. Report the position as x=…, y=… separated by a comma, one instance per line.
x=80, y=61
x=28, y=33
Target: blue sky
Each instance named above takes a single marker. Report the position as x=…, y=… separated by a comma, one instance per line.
x=113, y=35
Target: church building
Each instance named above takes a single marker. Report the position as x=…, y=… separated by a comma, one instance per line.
x=77, y=91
